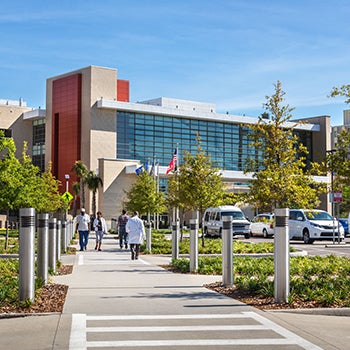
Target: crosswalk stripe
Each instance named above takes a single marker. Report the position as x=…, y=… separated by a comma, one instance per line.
x=188, y=342
x=176, y=328
x=162, y=317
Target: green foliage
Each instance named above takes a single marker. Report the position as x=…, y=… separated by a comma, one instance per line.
x=279, y=168
x=21, y=185
x=81, y=171
x=143, y=196
x=322, y=280
x=161, y=244
x=9, y=269
x=338, y=163
x=198, y=185
x=342, y=90
x=50, y=197
x=93, y=182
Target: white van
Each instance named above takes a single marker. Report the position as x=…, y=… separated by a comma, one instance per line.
x=212, y=221
x=311, y=225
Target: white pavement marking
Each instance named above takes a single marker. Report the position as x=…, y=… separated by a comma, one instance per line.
x=78, y=339
x=176, y=328
x=283, y=332
x=162, y=317
x=189, y=342
x=81, y=259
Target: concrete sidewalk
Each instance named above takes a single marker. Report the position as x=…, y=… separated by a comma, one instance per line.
x=116, y=303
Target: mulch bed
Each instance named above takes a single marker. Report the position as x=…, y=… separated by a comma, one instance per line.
x=263, y=303
x=50, y=298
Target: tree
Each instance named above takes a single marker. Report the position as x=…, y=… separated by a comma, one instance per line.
x=49, y=192
x=93, y=181
x=280, y=177
x=342, y=90
x=338, y=163
x=81, y=172
x=143, y=196
x=76, y=191
x=198, y=185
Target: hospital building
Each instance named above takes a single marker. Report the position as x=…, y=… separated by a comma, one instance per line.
x=89, y=117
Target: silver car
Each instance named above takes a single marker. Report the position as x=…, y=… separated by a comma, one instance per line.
x=262, y=225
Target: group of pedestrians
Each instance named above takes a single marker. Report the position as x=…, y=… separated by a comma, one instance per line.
x=130, y=229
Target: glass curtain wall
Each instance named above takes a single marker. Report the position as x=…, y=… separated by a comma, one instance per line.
x=147, y=137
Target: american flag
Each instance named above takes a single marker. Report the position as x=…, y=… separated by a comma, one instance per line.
x=172, y=163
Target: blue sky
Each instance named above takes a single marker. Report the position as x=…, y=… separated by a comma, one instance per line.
x=227, y=52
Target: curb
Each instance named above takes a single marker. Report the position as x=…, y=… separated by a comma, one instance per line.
x=316, y=311
x=18, y=315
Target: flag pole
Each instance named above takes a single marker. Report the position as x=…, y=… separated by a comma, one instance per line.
x=177, y=179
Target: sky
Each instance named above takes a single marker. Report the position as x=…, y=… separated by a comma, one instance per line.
x=226, y=52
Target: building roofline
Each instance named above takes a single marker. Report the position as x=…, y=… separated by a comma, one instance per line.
x=209, y=116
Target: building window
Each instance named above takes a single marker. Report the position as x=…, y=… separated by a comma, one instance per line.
x=38, y=151
x=146, y=137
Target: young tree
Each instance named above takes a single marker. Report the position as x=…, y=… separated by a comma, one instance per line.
x=93, y=181
x=143, y=196
x=49, y=192
x=279, y=169
x=337, y=163
x=81, y=172
x=198, y=185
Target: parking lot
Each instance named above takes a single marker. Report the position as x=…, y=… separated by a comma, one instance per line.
x=320, y=248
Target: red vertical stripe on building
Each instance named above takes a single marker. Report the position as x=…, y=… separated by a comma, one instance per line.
x=66, y=126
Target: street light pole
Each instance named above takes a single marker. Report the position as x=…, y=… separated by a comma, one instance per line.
x=67, y=181
x=332, y=191
x=67, y=190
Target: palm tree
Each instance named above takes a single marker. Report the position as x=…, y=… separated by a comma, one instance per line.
x=93, y=181
x=81, y=172
x=76, y=191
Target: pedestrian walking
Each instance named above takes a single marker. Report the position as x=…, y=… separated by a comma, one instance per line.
x=123, y=235
x=100, y=228
x=136, y=231
x=83, y=227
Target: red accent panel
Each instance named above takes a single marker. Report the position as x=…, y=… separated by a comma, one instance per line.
x=123, y=90
x=66, y=127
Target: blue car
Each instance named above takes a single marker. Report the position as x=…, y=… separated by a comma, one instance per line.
x=345, y=224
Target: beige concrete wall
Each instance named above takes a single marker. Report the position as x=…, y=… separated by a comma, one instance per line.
x=11, y=118
x=115, y=183
x=102, y=122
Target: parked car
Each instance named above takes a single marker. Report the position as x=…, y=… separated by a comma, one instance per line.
x=212, y=221
x=262, y=225
x=311, y=225
x=345, y=224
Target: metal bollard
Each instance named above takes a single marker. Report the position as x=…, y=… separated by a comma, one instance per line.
x=71, y=231
x=58, y=240
x=175, y=239
x=43, y=247
x=52, y=243
x=148, y=237
x=64, y=237
x=193, y=245
x=281, y=255
x=227, y=251
x=26, y=254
